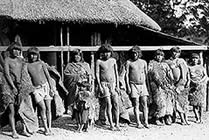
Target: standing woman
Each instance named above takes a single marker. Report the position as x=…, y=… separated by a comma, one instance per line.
x=161, y=95
x=198, y=83
x=76, y=71
x=181, y=81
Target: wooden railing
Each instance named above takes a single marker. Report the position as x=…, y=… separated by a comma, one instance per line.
x=115, y=48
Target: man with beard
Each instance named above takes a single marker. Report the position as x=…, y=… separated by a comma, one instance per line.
x=136, y=80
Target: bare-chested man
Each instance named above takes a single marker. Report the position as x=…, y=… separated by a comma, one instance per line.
x=41, y=80
x=12, y=67
x=136, y=80
x=108, y=81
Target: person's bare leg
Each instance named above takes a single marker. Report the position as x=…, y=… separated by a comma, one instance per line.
x=48, y=113
x=196, y=113
x=43, y=116
x=183, y=118
x=200, y=112
x=136, y=112
x=109, y=112
x=24, y=131
x=143, y=101
x=12, y=121
x=116, y=111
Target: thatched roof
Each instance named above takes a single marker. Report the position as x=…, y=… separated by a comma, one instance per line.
x=78, y=11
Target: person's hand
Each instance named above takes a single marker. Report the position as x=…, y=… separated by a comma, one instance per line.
x=179, y=89
x=117, y=89
x=101, y=90
x=15, y=91
x=52, y=92
x=129, y=90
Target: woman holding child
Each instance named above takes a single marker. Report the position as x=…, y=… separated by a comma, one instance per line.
x=76, y=71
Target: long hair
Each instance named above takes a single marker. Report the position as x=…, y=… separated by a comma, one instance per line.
x=105, y=48
x=159, y=52
x=76, y=52
x=13, y=46
x=136, y=49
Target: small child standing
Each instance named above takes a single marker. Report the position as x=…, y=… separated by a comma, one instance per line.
x=82, y=106
x=41, y=80
x=108, y=83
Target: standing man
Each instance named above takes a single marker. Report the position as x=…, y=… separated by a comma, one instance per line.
x=108, y=82
x=136, y=80
x=20, y=85
x=43, y=88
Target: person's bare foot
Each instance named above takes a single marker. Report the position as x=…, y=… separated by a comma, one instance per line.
x=159, y=123
x=25, y=133
x=146, y=126
x=112, y=128
x=47, y=133
x=15, y=136
x=183, y=123
x=117, y=128
x=198, y=122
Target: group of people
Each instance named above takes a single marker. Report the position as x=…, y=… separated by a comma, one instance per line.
x=25, y=83
x=159, y=89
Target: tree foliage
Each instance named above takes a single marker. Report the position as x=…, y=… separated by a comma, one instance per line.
x=187, y=19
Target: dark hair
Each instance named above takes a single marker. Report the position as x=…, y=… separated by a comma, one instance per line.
x=105, y=48
x=195, y=55
x=76, y=52
x=13, y=46
x=175, y=49
x=136, y=49
x=83, y=84
x=159, y=52
x=33, y=50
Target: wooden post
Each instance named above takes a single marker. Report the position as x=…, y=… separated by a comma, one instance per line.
x=95, y=40
x=68, y=44
x=61, y=43
x=207, y=87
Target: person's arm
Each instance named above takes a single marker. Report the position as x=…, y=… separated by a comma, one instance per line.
x=169, y=73
x=205, y=77
x=7, y=75
x=116, y=75
x=98, y=75
x=128, y=88
x=184, y=72
x=146, y=76
x=48, y=77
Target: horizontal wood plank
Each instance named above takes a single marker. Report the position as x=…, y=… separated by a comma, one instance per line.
x=115, y=48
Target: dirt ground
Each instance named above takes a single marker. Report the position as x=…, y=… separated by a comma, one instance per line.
x=64, y=129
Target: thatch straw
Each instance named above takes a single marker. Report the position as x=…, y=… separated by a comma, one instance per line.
x=78, y=11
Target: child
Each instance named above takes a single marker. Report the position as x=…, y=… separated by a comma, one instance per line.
x=108, y=83
x=43, y=87
x=198, y=83
x=82, y=106
x=136, y=78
